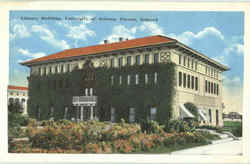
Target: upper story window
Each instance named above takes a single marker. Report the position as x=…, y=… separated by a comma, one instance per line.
x=56, y=69
x=188, y=81
x=112, y=62
x=184, y=60
x=192, y=64
x=192, y=82
x=195, y=65
x=50, y=69
x=44, y=70
x=137, y=59
x=61, y=68
x=39, y=71
x=217, y=89
x=196, y=83
x=156, y=58
x=120, y=62
x=188, y=62
x=180, y=59
x=129, y=62
x=208, y=71
x=180, y=78
x=184, y=80
x=146, y=59
x=136, y=79
x=68, y=67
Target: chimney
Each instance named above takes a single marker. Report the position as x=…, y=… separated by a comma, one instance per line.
x=105, y=41
x=120, y=39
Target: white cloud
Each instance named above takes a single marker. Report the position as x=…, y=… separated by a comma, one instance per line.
x=48, y=36
x=121, y=31
x=187, y=37
x=152, y=28
x=19, y=31
x=235, y=48
x=78, y=32
x=27, y=53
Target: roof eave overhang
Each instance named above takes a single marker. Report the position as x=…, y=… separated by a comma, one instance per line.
x=95, y=54
x=221, y=66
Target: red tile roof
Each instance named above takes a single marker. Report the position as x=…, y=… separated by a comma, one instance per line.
x=146, y=41
x=17, y=87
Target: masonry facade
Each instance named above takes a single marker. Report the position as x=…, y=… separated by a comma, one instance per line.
x=198, y=78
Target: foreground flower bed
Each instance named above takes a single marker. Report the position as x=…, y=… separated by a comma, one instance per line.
x=100, y=137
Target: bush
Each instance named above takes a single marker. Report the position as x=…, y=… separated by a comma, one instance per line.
x=237, y=130
x=179, y=126
x=150, y=126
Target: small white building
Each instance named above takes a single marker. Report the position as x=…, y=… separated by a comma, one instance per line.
x=18, y=94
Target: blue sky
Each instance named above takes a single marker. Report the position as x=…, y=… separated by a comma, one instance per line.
x=218, y=35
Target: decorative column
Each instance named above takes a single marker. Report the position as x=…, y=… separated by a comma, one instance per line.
x=91, y=112
x=82, y=113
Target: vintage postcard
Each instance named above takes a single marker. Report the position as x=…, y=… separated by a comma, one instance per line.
x=109, y=82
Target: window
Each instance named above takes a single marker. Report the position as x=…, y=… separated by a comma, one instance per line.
x=153, y=113
x=156, y=58
x=208, y=71
x=217, y=117
x=68, y=67
x=146, y=78
x=131, y=115
x=180, y=78
x=44, y=70
x=184, y=80
x=128, y=79
x=217, y=89
x=61, y=68
x=146, y=59
x=137, y=59
x=180, y=59
x=120, y=80
x=129, y=60
x=212, y=88
x=120, y=62
x=188, y=83
x=206, y=86
x=212, y=72
x=155, y=77
x=184, y=62
x=188, y=62
x=112, y=115
x=192, y=82
x=192, y=64
x=112, y=63
x=56, y=69
x=210, y=115
x=39, y=71
x=196, y=83
x=136, y=79
x=196, y=65
x=112, y=80
x=50, y=69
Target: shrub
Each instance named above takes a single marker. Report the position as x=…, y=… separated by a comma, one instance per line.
x=150, y=126
x=178, y=126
